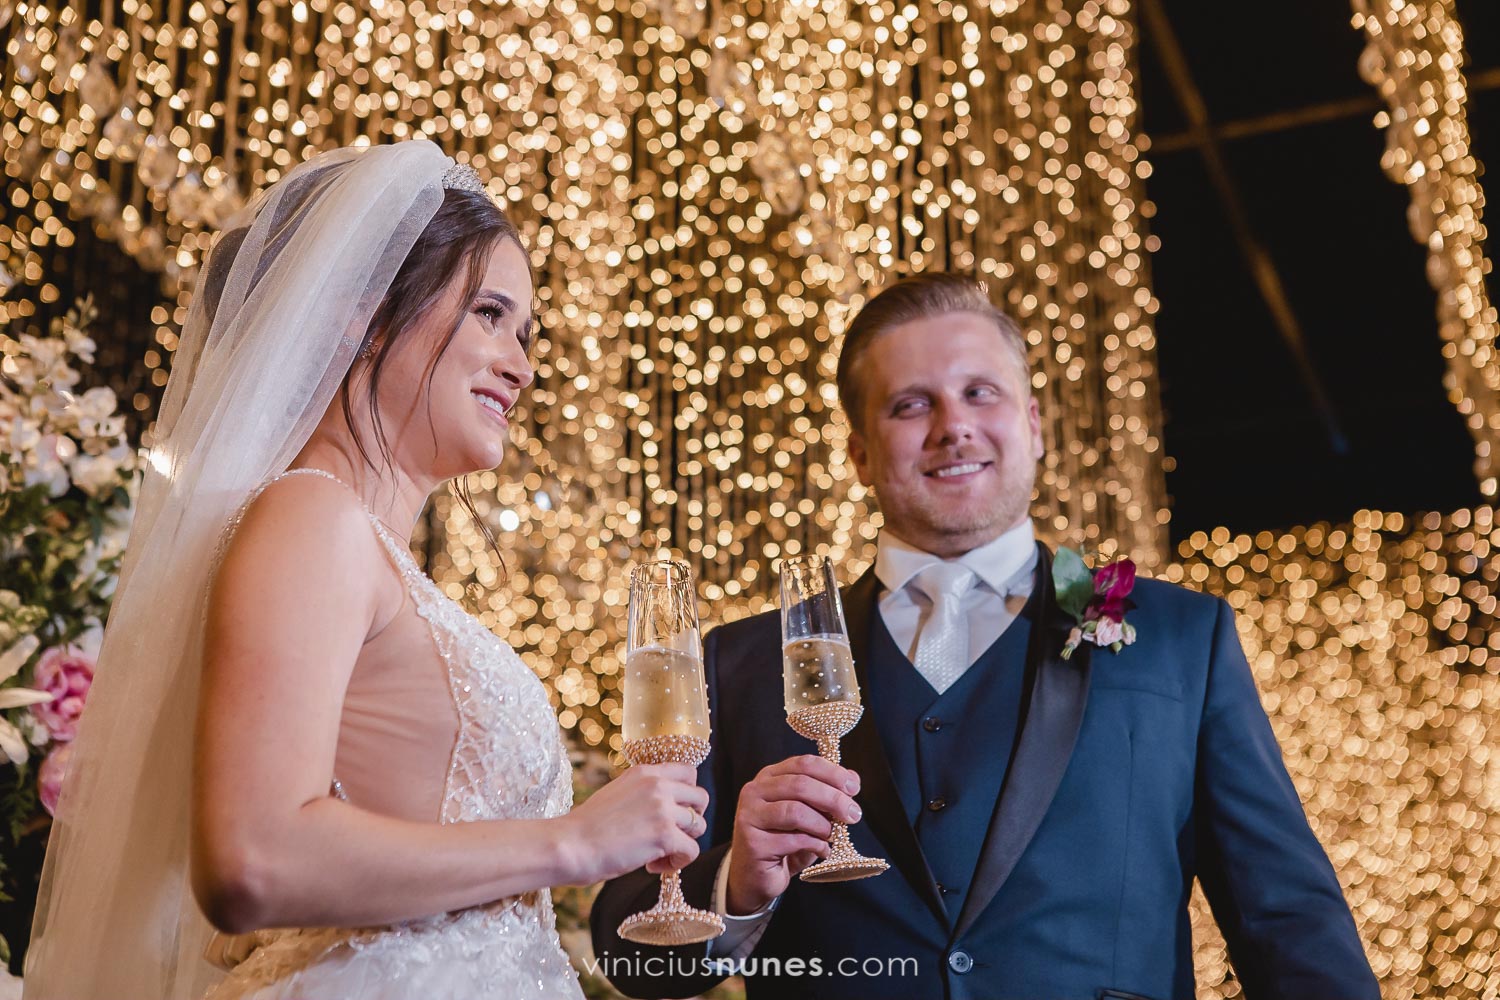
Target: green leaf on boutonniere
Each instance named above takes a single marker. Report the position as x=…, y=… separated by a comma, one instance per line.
x=1073, y=582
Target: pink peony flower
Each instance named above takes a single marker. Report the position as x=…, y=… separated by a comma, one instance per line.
x=65, y=673
x=50, y=776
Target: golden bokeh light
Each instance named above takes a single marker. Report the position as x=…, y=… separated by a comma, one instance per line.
x=708, y=192
x=1414, y=56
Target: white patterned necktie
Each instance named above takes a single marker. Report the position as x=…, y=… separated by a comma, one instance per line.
x=943, y=646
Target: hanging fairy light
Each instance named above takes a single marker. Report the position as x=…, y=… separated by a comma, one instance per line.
x=1414, y=56
x=709, y=191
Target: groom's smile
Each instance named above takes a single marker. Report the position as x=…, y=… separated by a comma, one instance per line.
x=958, y=471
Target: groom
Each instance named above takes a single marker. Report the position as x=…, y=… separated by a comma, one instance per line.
x=1044, y=816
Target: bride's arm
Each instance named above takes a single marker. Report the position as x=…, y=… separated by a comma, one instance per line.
x=298, y=593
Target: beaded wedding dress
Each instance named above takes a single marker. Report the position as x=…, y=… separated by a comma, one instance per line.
x=508, y=761
x=282, y=306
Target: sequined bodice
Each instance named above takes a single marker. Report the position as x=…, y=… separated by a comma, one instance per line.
x=508, y=762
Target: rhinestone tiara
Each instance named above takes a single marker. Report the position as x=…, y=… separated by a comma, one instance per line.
x=463, y=177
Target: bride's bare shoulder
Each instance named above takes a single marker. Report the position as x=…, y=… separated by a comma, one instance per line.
x=308, y=528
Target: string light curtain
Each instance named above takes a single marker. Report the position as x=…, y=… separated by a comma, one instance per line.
x=1376, y=650
x=709, y=190
x=1414, y=56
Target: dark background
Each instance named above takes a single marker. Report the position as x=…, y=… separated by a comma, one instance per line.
x=1252, y=449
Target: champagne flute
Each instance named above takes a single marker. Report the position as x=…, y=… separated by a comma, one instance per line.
x=666, y=721
x=820, y=690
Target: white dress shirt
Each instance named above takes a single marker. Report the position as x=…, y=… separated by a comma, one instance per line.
x=1005, y=570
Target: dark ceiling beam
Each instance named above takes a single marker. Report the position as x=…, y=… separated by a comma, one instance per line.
x=1315, y=114
x=1262, y=267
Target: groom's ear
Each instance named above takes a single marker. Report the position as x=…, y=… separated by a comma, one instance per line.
x=1034, y=424
x=859, y=455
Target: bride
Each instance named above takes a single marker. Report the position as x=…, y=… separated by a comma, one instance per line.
x=375, y=797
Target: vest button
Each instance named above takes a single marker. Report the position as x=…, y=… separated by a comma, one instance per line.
x=960, y=962
x=941, y=888
x=937, y=805
x=932, y=723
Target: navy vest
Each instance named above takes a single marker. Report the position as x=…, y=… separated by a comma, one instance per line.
x=949, y=753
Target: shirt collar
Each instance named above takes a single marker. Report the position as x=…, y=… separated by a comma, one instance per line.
x=995, y=563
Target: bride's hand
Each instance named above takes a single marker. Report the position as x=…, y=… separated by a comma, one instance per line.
x=650, y=813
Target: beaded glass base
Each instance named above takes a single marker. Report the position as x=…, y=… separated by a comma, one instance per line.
x=826, y=723
x=671, y=921
x=674, y=748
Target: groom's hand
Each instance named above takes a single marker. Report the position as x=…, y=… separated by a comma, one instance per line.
x=782, y=825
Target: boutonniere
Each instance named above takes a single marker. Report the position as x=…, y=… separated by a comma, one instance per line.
x=1095, y=600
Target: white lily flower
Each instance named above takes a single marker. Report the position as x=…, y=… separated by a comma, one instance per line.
x=90, y=640
x=13, y=658
x=19, y=697
x=12, y=743
x=35, y=731
x=93, y=474
x=98, y=402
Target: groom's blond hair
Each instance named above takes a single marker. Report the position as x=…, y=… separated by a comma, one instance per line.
x=917, y=296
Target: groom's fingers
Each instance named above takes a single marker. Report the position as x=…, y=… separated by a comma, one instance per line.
x=814, y=766
x=829, y=800
x=799, y=849
x=790, y=816
x=770, y=849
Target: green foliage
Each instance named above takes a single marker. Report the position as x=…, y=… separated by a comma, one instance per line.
x=1073, y=582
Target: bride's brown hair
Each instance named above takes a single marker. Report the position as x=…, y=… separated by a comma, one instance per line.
x=457, y=241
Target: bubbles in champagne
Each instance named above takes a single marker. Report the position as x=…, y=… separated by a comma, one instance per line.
x=816, y=670
x=664, y=694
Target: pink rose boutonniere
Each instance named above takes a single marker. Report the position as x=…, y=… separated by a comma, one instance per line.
x=1097, y=601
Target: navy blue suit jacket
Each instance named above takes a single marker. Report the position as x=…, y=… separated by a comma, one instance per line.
x=1135, y=773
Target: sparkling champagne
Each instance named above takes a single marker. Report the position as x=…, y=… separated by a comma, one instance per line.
x=664, y=694
x=817, y=670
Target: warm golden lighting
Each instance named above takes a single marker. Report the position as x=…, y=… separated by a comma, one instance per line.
x=706, y=204
x=708, y=192
x=1375, y=648
x=1414, y=56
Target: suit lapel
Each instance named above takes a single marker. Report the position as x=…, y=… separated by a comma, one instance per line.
x=1058, y=695
x=863, y=753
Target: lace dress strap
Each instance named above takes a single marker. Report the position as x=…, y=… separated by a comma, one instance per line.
x=309, y=471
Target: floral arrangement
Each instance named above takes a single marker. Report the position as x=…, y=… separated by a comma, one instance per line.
x=1097, y=601
x=67, y=478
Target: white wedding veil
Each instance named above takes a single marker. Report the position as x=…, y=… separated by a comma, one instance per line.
x=279, y=311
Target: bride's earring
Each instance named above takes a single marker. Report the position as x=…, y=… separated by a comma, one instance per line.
x=368, y=351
